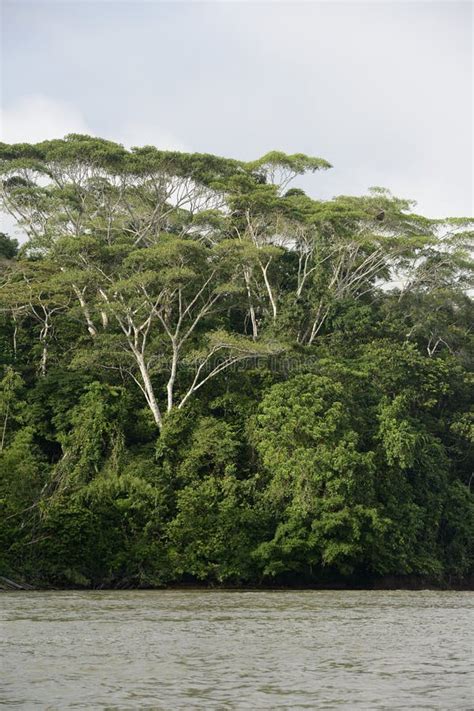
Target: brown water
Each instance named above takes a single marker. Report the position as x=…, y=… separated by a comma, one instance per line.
x=236, y=650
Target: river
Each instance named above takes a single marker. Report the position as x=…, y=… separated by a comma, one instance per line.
x=236, y=650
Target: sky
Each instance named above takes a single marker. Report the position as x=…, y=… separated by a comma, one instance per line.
x=383, y=90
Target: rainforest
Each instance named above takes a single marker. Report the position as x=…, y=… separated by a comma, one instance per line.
x=208, y=376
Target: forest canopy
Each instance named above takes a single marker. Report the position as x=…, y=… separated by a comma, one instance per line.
x=208, y=375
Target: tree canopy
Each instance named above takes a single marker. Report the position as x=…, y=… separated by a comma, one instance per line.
x=207, y=374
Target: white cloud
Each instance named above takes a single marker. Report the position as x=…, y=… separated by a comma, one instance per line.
x=31, y=119
x=9, y=227
x=383, y=90
x=142, y=133
x=36, y=118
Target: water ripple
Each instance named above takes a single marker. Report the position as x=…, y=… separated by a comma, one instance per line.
x=236, y=650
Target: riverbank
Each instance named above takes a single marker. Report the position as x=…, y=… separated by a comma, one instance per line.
x=389, y=582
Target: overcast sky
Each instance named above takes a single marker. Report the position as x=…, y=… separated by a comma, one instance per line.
x=383, y=90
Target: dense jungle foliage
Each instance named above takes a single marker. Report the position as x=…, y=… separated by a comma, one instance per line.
x=207, y=375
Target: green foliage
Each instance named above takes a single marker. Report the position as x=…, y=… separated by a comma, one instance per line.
x=320, y=482
x=108, y=532
x=12, y=406
x=207, y=376
x=95, y=437
x=8, y=246
x=213, y=532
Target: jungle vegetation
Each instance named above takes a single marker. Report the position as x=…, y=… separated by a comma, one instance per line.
x=208, y=375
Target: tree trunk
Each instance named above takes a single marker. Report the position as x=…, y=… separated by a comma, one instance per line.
x=44, y=353
x=269, y=289
x=90, y=324
x=148, y=389
x=172, y=378
x=253, y=318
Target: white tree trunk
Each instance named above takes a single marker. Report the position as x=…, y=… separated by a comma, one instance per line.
x=148, y=389
x=90, y=324
x=269, y=288
x=253, y=317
